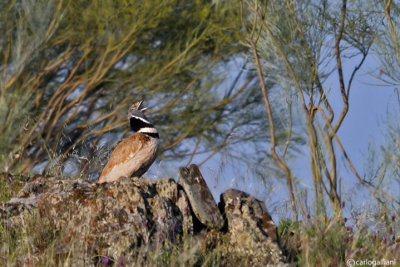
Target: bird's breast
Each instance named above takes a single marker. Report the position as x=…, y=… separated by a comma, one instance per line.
x=132, y=157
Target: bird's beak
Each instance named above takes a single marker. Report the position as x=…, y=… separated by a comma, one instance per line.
x=140, y=105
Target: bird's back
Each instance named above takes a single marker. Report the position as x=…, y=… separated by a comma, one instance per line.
x=132, y=157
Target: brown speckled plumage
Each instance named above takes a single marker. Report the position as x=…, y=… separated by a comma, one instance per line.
x=133, y=156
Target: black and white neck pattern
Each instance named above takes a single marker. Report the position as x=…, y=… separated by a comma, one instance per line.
x=142, y=125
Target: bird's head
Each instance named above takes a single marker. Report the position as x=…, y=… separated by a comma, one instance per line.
x=137, y=110
x=137, y=118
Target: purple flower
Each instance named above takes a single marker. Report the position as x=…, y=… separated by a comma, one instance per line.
x=121, y=261
x=393, y=217
x=343, y=204
x=105, y=261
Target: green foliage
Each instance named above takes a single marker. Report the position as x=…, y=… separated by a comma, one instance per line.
x=10, y=185
x=388, y=43
x=70, y=70
x=316, y=243
x=296, y=52
x=325, y=243
x=388, y=50
x=287, y=227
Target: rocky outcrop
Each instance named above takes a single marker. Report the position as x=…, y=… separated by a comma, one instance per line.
x=118, y=218
x=253, y=234
x=200, y=197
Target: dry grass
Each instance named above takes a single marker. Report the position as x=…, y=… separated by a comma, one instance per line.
x=32, y=240
x=370, y=236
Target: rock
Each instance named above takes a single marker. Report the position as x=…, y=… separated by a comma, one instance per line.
x=27, y=198
x=252, y=231
x=200, y=197
x=119, y=216
x=118, y=220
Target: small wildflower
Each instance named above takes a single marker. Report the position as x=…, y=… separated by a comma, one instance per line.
x=105, y=261
x=349, y=228
x=308, y=216
x=121, y=261
x=345, y=219
x=343, y=204
x=393, y=217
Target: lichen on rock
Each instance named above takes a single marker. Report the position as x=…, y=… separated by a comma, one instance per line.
x=118, y=219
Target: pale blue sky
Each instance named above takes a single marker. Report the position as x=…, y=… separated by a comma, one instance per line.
x=364, y=125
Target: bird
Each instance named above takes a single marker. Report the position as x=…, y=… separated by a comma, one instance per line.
x=133, y=156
